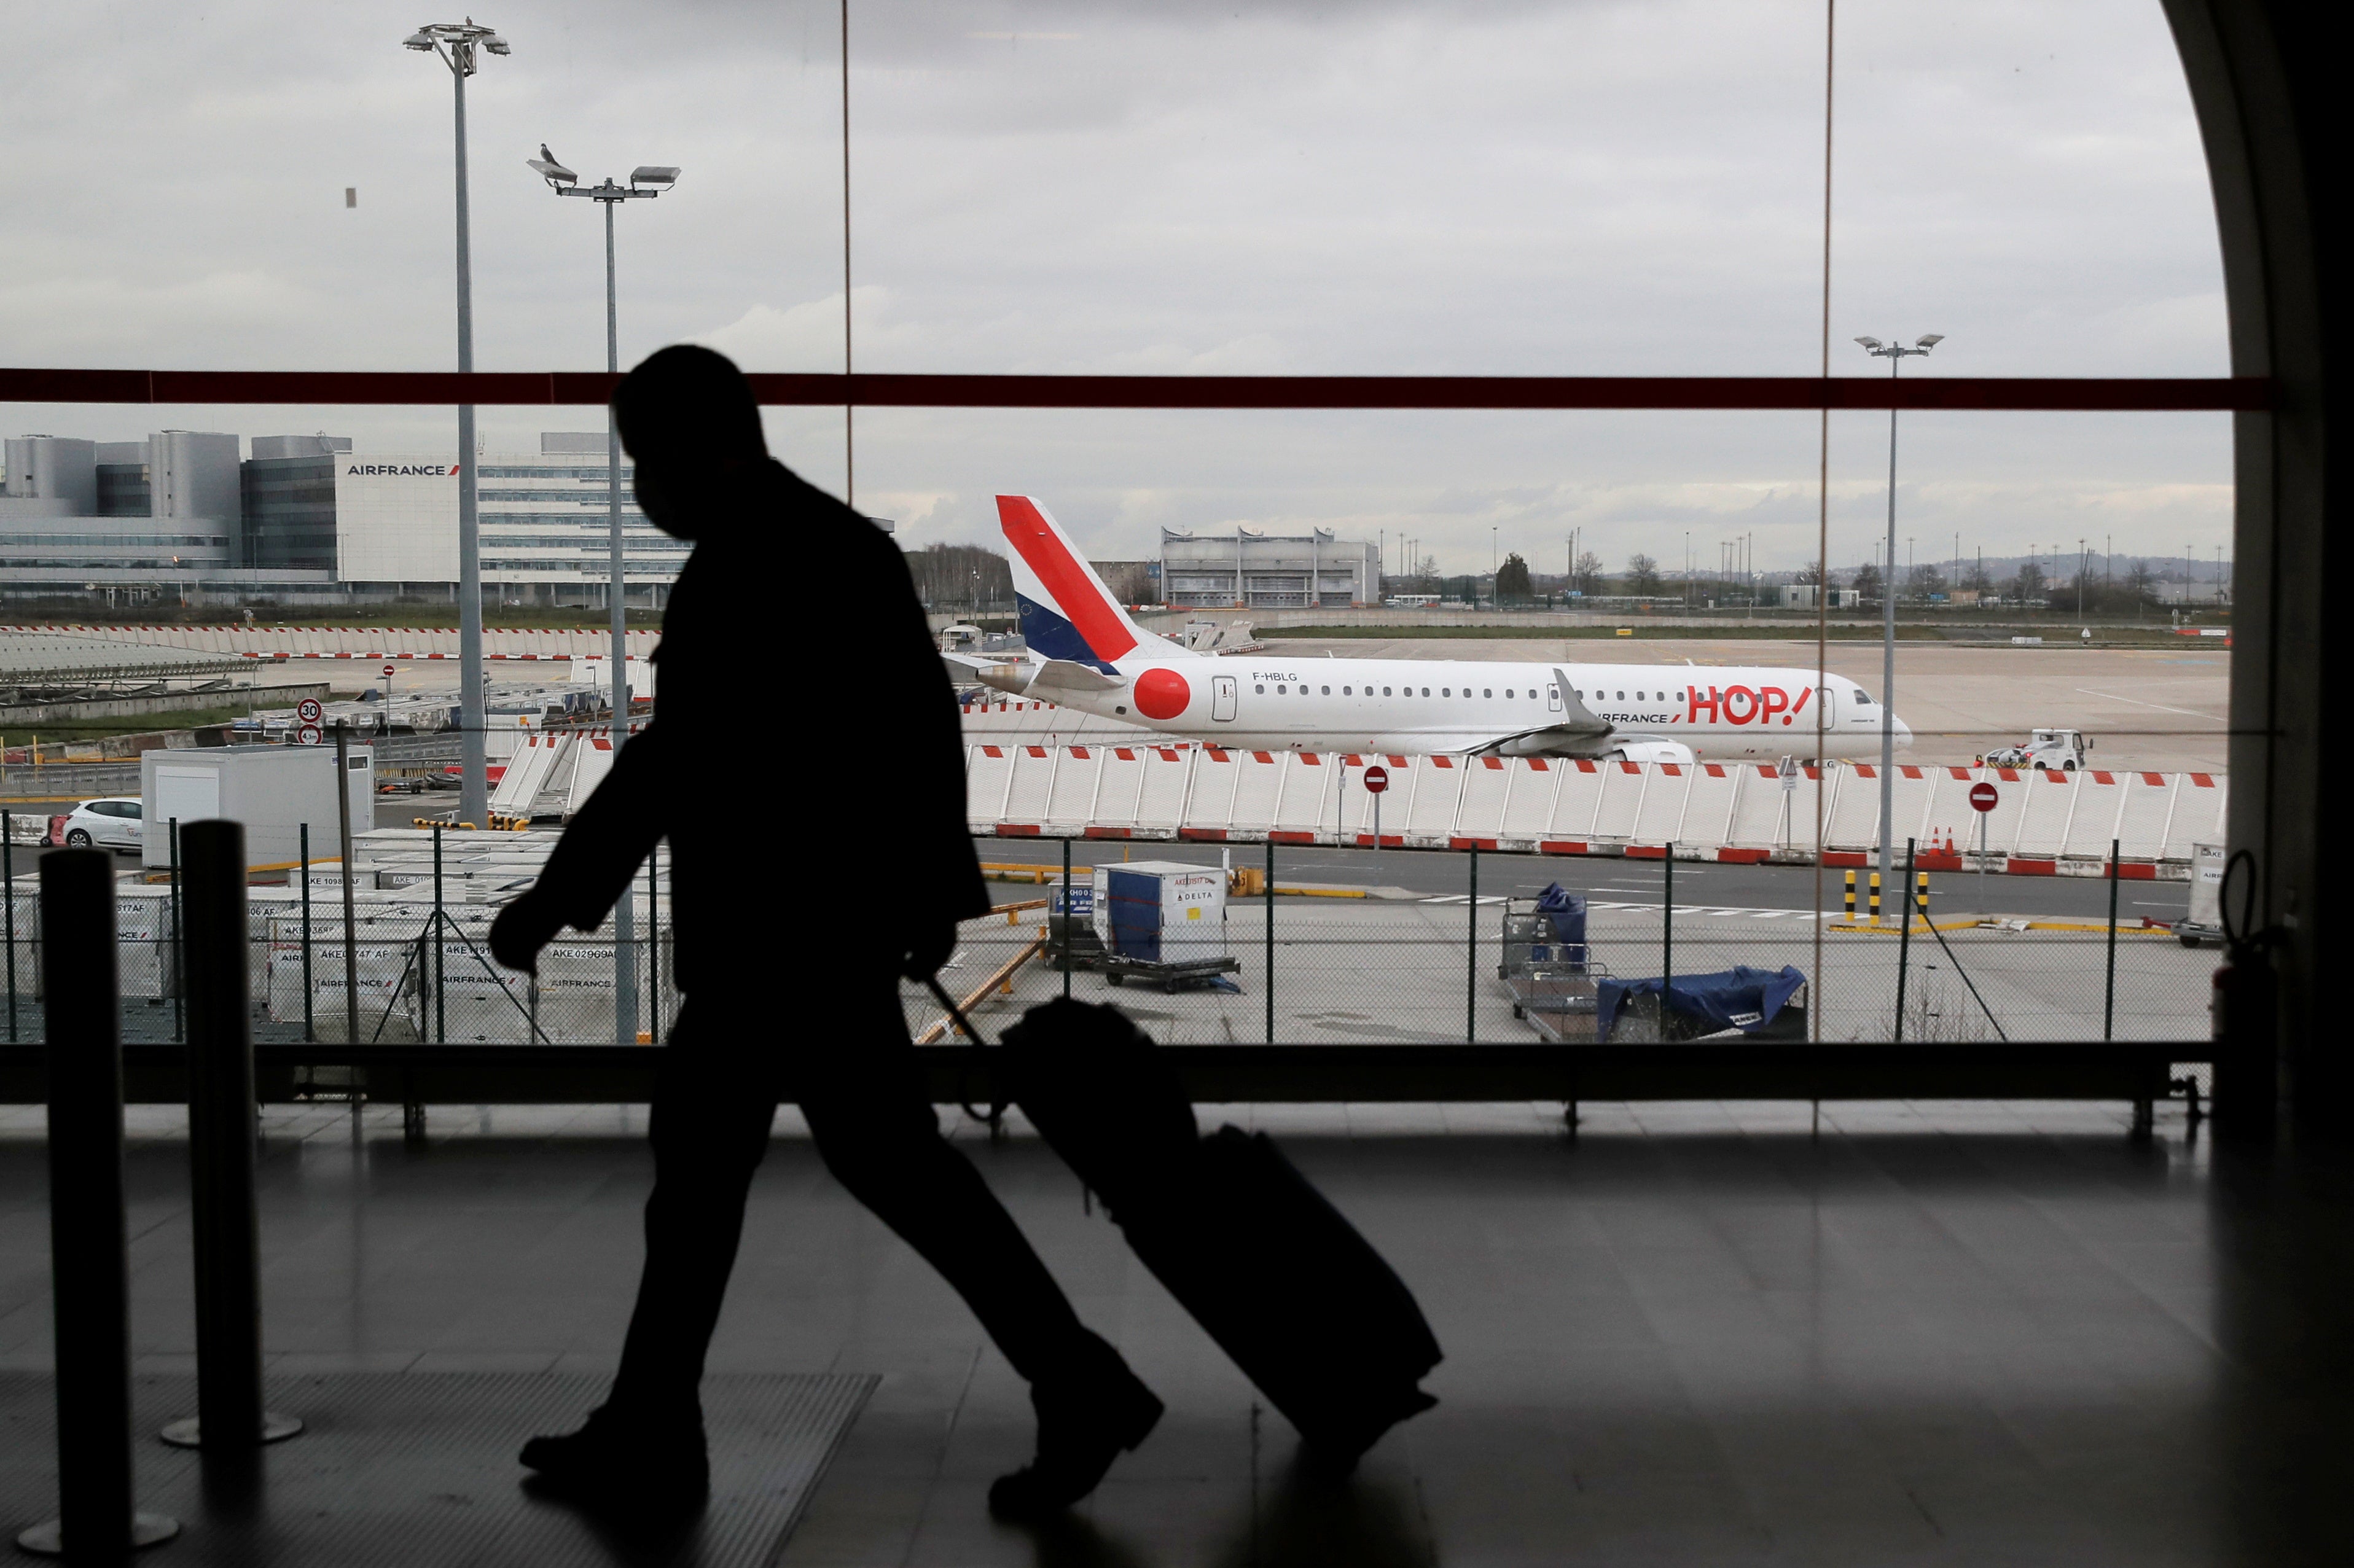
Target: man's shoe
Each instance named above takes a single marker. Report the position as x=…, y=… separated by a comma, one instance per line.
x=1084, y=1423
x=622, y=1464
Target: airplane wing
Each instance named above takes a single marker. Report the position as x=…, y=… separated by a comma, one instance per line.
x=1576, y=719
x=1576, y=731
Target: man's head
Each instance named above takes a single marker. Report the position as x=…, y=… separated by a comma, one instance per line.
x=688, y=418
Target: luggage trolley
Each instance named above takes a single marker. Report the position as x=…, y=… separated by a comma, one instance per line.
x=1547, y=967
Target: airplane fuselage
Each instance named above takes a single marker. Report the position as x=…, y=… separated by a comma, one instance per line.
x=1253, y=701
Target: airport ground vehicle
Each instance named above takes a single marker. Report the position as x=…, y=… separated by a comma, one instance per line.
x=2058, y=750
x=114, y=823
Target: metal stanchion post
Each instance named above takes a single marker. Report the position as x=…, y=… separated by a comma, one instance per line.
x=8, y=873
x=309, y=1025
x=1471, y=958
x=220, y=1151
x=437, y=952
x=1667, y=931
x=653, y=946
x=1067, y=918
x=351, y=921
x=1267, y=893
x=2109, y=1001
x=90, y=1274
x=179, y=986
x=1903, y=939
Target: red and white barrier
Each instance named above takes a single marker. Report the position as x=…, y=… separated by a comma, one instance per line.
x=421, y=643
x=2043, y=823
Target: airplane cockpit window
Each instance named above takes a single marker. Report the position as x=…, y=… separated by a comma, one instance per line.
x=1862, y=698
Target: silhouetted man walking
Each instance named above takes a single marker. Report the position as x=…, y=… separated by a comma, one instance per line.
x=808, y=1012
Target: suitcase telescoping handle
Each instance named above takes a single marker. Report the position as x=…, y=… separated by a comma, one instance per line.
x=996, y=1112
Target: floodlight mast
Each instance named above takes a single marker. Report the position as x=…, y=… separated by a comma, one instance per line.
x=457, y=44
x=646, y=180
x=1894, y=353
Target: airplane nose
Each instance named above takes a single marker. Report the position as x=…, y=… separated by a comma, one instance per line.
x=1904, y=735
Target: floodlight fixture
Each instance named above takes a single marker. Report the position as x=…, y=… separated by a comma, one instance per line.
x=1931, y=340
x=1869, y=341
x=456, y=42
x=553, y=172
x=663, y=174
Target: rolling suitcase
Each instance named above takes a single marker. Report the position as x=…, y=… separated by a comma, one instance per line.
x=1274, y=1274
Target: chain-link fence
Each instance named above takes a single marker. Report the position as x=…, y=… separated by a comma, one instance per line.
x=1217, y=961
x=1373, y=964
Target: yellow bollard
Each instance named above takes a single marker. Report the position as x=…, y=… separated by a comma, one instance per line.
x=1875, y=897
x=1850, y=896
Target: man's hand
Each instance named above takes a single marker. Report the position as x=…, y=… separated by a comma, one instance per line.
x=521, y=930
x=928, y=949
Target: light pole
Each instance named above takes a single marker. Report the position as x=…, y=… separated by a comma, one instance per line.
x=457, y=43
x=1894, y=353
x=646, y=181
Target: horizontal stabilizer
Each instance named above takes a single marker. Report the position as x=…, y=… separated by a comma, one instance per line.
x=1013, y=678
x=1069, y=675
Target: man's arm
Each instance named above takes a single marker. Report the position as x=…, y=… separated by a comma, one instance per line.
x=602, y=847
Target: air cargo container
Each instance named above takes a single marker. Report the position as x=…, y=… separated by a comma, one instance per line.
x=272, y=789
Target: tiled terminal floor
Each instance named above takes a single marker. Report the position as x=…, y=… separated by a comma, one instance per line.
x=1952, y=1334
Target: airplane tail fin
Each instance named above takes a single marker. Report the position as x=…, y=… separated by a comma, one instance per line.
x=1066, y=610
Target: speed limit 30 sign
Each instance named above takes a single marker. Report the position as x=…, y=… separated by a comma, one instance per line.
x=308, y=711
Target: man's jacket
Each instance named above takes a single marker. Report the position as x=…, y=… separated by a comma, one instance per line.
x=807, y=763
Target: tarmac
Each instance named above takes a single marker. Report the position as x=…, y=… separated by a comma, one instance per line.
x=1383, y=970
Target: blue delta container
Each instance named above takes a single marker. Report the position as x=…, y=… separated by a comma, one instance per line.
x=1165, y=913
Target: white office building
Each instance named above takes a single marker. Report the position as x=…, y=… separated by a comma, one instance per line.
x=1252, y=570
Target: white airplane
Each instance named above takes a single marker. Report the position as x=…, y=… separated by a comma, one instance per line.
x=1085, y=654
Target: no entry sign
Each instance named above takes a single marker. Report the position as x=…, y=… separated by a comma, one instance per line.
x=1983, y=795
x=1377, y=778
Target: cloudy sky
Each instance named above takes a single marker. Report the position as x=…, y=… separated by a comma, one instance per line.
x=1580, y=186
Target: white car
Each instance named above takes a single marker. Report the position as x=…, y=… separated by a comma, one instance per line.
x=114, y=824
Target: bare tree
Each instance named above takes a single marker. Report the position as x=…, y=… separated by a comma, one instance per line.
x=1642, y=575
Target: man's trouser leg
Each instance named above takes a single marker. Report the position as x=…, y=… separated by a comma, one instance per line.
x=714, y=1102
x=862, y=1091
x=865, y=1099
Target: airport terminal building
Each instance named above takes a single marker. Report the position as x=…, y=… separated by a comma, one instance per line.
x=307, y=520
x=1266, y=571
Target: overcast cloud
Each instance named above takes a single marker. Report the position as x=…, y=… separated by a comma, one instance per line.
x=1586, y=186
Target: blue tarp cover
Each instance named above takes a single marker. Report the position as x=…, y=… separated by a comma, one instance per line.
x=1738, y=998
x=1566, y=912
